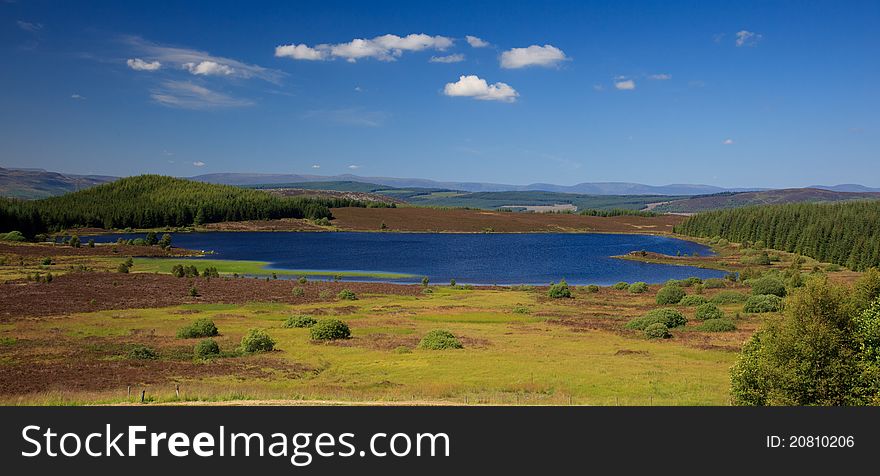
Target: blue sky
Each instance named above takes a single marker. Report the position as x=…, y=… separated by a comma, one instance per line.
x=769, y=94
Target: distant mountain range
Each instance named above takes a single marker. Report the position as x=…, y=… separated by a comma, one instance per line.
x=767, y=197
x=38, y=183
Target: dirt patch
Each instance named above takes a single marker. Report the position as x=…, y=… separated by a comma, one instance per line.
x=631, y=352
x=379, y=341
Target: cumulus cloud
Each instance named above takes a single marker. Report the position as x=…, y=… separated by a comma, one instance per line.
x=625, y=84
x=138, y=64
x=660, y=77
x=209, y=68
x=476, y=42
x=727, y=141
x=477, y=88
x=383, y=48
x=186, y=95
x=29, y=26
x=198, y=163
x=547, y=55
x=456, y=58
x=316, y=166
x=748, y=38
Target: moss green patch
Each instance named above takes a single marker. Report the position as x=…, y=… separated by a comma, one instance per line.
x=251, y=268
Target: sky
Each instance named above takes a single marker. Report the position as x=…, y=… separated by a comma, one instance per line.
x=734, y=94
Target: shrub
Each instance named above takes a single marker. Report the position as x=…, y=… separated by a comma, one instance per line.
x=207, y=348
x=74, y=241
x=203, y=327
x=330, y=329
x=298, y=292
x=657, y=330
x=670, y=295
x=122, y=268
x=714, y=283
x=691, y=281
x=763, y=303
x=142, y=352
x=256, y=340
x=832, y=268
x=347, y=295
x=12, y=236
x=91, y=243
x=707, y=312
x=592, y=288
x=439, y=339
x=193, y=292
x=621, y=286
x=638, y=287
x=177, y=271
x=666, y=316
x=47, y=261
x=425, y=281
x=211, y=272
x=452, y=282
x=768, y=285
x=559, y=290
x=728, y=297
x=324, y=294
x=717, y=325
x=693, y=300
x=165, y=242
x=300, y=321
x=521, y=310
x=302, y=280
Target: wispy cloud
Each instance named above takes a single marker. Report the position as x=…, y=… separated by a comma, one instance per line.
x=383, y=48
x=456, y=58
x=354, y=167
x=348, y=116
x=660, y=77
x=30, y=27
x=748, y=38
x=187, y=95
x=316, y=166
x=727, y=142
x=547, y=55
x=476, y=42
x=198, y=163
x=478, y=88
x=77, y=97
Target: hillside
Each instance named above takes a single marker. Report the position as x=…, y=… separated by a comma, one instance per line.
x=147, y=201
x=30, y=184
x=770, y=197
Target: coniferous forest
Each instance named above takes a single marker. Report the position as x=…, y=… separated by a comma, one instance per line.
x=148, y=201
x=844, y=233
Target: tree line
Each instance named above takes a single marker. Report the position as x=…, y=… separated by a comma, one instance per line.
x=149, y=201
x=847, y=234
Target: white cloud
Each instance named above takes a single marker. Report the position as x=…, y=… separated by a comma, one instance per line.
x=180, y=57
x=209, y=68
x=138, y=64
x=198, y=163
x=316, y=166
x=727, y=141
x=358, y=89
x=186, y=95
x=456, y=58
x=660, y=77
x=300, y=52
x=354, y=167
x=625, y=84
x=477, y=88
x=349, y=116
x=29, y=26
x=598, y=87
x=383, y=48
x=748, y=38
x=547, y=55
x=476, y=42
x=77, y=96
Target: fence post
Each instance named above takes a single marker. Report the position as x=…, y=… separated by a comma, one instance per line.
x=143, y=395
x=177, y=391
x=129, y=392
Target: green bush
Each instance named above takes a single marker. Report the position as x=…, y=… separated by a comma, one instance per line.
x=142, y=352
x=670, y=295
x=592, y=288
x=203, y=327
x=298, y=292
x=256, y=340
x=521, y=310
x=768, y=285
x=657, y=330
x=12, y=236
x=559, y=290
x=330, y=329
x=691, y=281
x=638, y=287
x=74, y=241
x=763, y=303
x=666, y=316
x=302, y=280
x=207, y=348
x=621, y=286
x=347, y=295
x=714, y=283
x=707, y=312
x=439, y=339
x=728, y=297
x=693, y=300
x=47, y=261
x=122, y=268
x=717, y=325
x=211, y=272
x=300, y=321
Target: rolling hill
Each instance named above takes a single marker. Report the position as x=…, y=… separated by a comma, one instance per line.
x=722, y=201
x=31, y=184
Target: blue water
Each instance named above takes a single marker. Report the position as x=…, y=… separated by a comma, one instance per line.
x=495, y=258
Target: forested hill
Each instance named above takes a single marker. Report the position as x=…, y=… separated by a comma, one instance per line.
x=844, y=233
x=152, y=200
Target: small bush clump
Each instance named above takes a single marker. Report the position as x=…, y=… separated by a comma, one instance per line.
x=717, y=325
x=256, y=340
x=666, y=316
x=347, y=295
x=12, y=236
x=693, y=300
x=728, y=297
x=670, y=295
x=330, y=329
x=621, y=286
x=439, y=339
x=707, y=312
x=300, y=322
x=203, y=327
x=592, y=288
x=763, y=303
x=142, y=352
x=206, y=349
x=521, y=310
x=714, y=283
x=638, y=287
x=559, y=290
x=657, y=330
x=768, y=285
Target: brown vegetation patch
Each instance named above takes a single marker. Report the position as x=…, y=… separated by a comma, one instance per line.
x=379, y=341
x=631, y=352
x=40, y=250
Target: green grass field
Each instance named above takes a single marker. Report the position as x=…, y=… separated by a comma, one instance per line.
x=249, y=268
